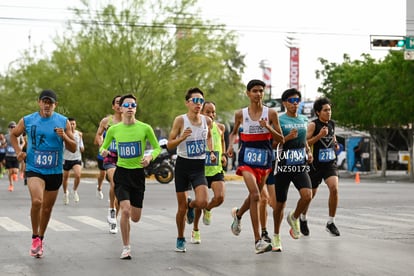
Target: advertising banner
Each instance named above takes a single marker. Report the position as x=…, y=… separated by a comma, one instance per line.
x=358, y=154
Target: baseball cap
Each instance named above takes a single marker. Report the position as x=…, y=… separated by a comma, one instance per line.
x=48, y=94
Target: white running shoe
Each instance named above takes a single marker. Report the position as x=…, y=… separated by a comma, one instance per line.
x=126, y=253
x=66, y=198
x=75, y=196
x=113, y=229
x=236, y=224
x=262, y=246
x=99, y=194
x=111, y=216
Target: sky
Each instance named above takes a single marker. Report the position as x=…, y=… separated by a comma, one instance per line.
x=322, y=29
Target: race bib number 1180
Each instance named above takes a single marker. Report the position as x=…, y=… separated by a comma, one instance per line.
x=129, y=149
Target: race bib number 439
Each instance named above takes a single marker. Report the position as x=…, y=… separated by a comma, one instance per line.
x=45, y=159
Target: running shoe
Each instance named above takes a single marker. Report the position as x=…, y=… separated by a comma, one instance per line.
x=207, y=217
x=37, y=248
x=195, y=237
x=294, y=224
x=265, y=236
x=276, y=244
x=11, y=188
x=66, y=198
x=304, y=229
x=180, y=245
x=126, y=253
x=190, y=212
x=14, y=176
x=262, y=246
x=113, y=229
x=99, y=194
x=111, y=216
x=75, y=196
x=236, y=225
x=331, y=229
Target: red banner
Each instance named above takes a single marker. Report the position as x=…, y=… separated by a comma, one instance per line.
x=294, y=68
x=267, y=74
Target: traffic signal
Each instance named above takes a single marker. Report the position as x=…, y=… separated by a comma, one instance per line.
x=387, y=43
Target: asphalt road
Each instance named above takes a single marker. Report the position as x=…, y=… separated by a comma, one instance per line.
x=375, y=219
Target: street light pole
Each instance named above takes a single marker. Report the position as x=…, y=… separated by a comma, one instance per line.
x=264, y=64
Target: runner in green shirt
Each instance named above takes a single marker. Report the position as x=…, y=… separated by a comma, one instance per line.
x=131, y=137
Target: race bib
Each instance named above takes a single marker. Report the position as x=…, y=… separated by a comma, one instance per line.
x=129, y=149
x=208, y=159
x=295, y=156
x=10, y=150
x=45, y=159
x=326, y=155
x=255, y=157
x=112, y=146
x=195, y=148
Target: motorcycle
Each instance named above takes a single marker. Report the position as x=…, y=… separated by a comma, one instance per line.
x=161, y=167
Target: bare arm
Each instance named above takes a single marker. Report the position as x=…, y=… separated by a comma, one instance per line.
x=210, y=144
x=275, y=128
x=174, y=139
x=14, y=139
x=222, y=129
x=99, y=133
x=81, y=145
x=238, y=117
x=311, y=129
x=67, y=136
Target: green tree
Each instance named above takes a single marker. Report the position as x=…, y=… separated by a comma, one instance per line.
x=153, y=49
x=372, y=96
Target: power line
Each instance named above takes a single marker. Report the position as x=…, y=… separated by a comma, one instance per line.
x=239, y=28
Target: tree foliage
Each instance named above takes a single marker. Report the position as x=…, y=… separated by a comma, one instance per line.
x=373, y=96
x=155, y=50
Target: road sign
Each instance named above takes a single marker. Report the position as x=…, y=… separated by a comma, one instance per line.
x=408, y=55
x=409, y=43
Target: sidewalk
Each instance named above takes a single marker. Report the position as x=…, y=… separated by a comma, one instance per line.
x=390, y=176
